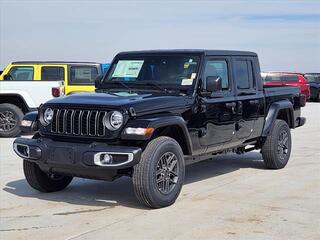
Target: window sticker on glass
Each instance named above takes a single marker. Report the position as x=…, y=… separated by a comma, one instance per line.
x=127, y=68
x=186, y=82
x=193, y=75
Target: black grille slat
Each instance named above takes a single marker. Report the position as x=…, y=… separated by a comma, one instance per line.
x=93, y=123
x=68, y=120
x=78, y=122
x=84, y=122
x=61, y=121
x=100, y=126
x=54, y=121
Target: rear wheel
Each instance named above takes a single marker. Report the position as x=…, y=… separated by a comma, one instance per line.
x=277, y=147
x=10, y=119
x=159, y=176
x=42, y=181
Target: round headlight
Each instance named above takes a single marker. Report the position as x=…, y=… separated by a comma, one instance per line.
x=48, y=115
x=114, y=120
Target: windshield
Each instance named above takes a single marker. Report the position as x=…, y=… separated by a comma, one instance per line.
x=163, y=72
x=313, y=77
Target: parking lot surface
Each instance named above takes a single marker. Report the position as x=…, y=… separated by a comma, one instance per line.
x=228, y=197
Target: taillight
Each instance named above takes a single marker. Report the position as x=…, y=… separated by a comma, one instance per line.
x=56, y=92
x=303, y=100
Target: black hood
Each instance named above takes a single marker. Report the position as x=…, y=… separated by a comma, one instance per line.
x=144, y=102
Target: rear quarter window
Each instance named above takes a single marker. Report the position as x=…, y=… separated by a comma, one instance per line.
x=52, y=73
x=83, y=75
x=243, y=74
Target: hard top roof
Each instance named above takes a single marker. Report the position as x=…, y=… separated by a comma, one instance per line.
x=53, y=62
x=195, y=51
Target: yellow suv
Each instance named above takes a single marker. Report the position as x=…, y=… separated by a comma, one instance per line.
x=77, y=76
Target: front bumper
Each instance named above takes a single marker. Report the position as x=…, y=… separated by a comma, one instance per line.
x=77, y=159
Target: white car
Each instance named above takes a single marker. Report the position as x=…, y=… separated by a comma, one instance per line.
x=19, y=97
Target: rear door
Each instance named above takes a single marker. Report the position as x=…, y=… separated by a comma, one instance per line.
x=250, y=100
x=81, y=78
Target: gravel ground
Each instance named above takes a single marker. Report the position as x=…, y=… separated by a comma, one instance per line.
x=228, y=197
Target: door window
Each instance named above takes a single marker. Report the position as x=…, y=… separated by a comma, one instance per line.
x=52, y=73
x=243, y=74
x=218, y=68
x=83, y=75
x=20, y=74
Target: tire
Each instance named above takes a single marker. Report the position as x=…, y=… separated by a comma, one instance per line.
x=276, y=149
x=41, y=181
x=10, y=114
x=154, y=167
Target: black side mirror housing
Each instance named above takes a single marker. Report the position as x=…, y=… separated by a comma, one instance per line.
x=97, y=81
x=213, y=84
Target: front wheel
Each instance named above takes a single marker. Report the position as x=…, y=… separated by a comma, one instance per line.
x=159, y=176
x=276, y=149
x=43, y=181
x=10, y=118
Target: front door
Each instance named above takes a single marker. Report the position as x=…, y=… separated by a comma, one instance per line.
x=216, y=119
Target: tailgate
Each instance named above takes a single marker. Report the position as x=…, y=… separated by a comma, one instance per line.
x=33, y=92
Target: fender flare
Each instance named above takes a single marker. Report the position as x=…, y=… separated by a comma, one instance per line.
x=19, y=95
x=273, y=113
x=33, y=118
x=156, y=123
x=26, y=99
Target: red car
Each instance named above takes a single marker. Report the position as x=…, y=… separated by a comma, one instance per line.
x=287, y=79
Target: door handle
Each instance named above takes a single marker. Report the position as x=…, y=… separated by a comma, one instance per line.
x=232, y=106
x=254, y=102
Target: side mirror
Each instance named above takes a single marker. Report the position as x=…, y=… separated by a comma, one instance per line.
x=97, y=81
x=213, y=84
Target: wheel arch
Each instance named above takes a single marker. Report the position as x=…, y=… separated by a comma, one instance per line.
x=278, y=110
x=170, y=126
x=17, y=100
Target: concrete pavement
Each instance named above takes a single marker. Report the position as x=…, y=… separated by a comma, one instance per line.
x=229, y=197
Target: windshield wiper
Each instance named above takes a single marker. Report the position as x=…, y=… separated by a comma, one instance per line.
x=154, y=85
x=122, y=84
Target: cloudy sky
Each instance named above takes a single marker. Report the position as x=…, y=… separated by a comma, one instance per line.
x=285, y=34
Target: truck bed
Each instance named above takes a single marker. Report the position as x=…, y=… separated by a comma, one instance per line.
x=273, y=94
x=34, y=93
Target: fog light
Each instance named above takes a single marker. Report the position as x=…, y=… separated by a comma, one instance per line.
x=22, y=150
x=106, y=159
x=26, y=123
x=103, y=159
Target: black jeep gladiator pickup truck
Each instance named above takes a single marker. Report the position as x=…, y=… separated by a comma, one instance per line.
x=153, y=113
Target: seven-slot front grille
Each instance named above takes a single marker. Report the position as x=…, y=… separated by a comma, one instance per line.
x=78, y=122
